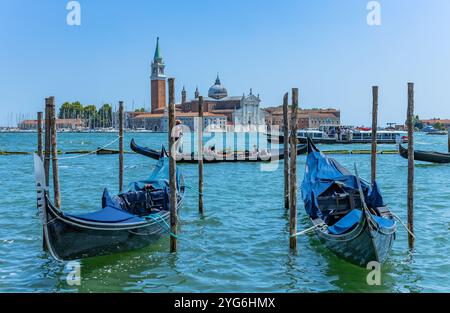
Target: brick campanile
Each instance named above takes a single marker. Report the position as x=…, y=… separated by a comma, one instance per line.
x=158, y=82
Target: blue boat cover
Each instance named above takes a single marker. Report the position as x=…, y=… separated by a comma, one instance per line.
x=322, y=172
x=352, y=218
x=346, y=223
x=112, y=212
x=109, y=215
x=159, y=178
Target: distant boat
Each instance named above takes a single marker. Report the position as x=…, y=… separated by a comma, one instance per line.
x=106, y=151
x=426, y=156
x=351, y=137
x=235, y=156
x=348, y=214
x=132, y=220
x=437, y=132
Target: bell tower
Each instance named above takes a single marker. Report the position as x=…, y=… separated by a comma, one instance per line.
x=158, y=82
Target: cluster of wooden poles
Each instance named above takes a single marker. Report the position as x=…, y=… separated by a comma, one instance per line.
x=50, y=155
x=49, y=151
x=410, y=181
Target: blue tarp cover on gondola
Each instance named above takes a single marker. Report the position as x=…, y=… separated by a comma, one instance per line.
x=321, y=173
x=158, y=179
x=352, y=218
x=112, y=211
x=108, y=215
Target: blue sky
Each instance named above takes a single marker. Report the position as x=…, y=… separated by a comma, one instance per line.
x=325, y=48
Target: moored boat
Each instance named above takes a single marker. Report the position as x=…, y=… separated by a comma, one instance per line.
x=426, y=156
x=245, y=156
x=131, y=220
x=348, y=214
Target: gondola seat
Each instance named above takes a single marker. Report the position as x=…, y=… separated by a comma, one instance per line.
x=108, y=215
x=349, y=221
x=346, y=223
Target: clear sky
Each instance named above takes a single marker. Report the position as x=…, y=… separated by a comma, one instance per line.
x=325, y=48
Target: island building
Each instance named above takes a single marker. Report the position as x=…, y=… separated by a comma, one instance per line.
x=307, y=118
x=445, y=123
x=221, y=112
x=68, y=123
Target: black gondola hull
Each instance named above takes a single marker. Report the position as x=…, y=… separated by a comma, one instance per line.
x=361, y=246
x=333, y=198
x=70, y=239
x=192, y=159
x=426, y=156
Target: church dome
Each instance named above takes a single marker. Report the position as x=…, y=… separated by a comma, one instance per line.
x=217, y=91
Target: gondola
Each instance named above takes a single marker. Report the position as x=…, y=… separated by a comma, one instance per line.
x=348, y=214
x=131, y=220
x=234, y=157
x=426, y=156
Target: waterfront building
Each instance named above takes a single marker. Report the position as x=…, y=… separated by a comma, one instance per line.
x=157, y=119
x=445, y=123
x=159, y=122
x=221, y=111
x=68, y=123
x=307, y=118
x=243, y=113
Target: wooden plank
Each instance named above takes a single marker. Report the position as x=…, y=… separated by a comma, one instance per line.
x=39, y=134
x=47, y=143
x=121, y=146
x=200, y=154
x=172, y=168
x=56, y=190
x=374, y=133
x=293, y=172
x=286, y=150
x=410, y=125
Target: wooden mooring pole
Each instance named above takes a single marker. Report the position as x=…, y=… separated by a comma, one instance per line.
x=172, y=168
x=286, y=150
x=120, y=146
x=200, y=155
x=56, y=191
x=293, y=172
x=39, y=134
x=410, y=125
x=374, y=132
x=47, y=142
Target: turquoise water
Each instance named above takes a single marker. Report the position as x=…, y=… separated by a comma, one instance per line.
x=241, y=242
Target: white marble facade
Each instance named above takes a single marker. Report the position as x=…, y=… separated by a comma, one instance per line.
x=249, y=117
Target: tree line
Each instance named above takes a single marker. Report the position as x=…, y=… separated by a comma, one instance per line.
x=92, y=117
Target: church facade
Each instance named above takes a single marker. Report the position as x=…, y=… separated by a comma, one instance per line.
x=221, y=111
x=243, y=113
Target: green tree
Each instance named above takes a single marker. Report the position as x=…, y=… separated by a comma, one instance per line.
x=71, y=110
x=105, y=115
x=417, y=123
x=438, y=126
x=90, y=115
x=140, y=110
